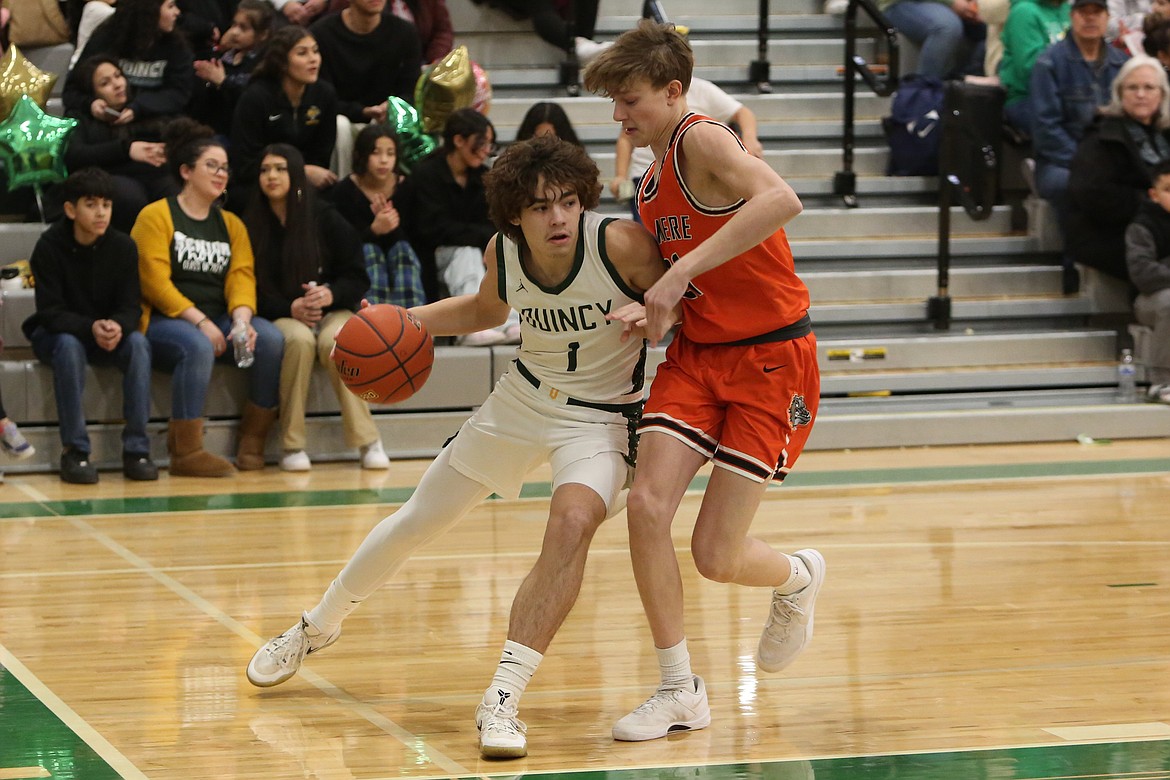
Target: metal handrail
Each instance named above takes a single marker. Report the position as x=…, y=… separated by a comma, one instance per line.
x=759, y=70
x=845, y=181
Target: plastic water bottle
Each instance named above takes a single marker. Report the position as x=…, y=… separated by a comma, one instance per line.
x=1126, y=378
x=244, y=356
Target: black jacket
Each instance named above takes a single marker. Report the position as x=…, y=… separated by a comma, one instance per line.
x=366, y=69
x=342, y=266
x=161, y=78
x=78, y=285
x=97, y=143
x=1108, y=180
x=265, y=116
x=442, y=213
x=353, y=204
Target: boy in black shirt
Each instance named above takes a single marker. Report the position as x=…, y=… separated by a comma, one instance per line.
x=88, y=307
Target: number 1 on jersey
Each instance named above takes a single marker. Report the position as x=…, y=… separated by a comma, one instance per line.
x=573, y=347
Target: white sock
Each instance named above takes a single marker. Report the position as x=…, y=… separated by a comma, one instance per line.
x=588, y=49
x=334, y=607
x=517, y=665
x=797, y=580
x=674, y=664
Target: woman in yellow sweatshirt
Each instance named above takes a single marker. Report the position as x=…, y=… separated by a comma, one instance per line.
x=198, y=292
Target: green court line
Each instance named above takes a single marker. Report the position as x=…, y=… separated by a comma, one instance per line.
x=814, y=479
x=31, y=735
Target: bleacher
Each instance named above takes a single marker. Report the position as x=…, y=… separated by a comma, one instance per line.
x=1020, y=361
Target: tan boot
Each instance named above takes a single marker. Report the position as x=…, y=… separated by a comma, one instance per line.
x=188, y=458
x=254, y=427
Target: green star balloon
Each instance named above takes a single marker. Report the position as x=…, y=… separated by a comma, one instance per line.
x=32, y=145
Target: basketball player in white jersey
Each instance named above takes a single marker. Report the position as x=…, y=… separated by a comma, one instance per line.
x=571, y=399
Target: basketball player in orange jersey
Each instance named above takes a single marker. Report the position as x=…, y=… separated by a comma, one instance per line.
x=740, y=383
x=571, y=399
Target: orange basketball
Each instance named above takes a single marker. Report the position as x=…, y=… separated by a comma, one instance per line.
x=383, y=354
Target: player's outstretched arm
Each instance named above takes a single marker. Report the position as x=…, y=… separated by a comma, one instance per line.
x=467, y=313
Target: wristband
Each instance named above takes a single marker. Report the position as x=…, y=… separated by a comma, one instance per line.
x=200, y=323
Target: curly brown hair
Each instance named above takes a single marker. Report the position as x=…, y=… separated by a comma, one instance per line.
x=658, y=53
x=511, y=183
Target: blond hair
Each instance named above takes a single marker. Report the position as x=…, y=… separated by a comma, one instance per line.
x=655, y=52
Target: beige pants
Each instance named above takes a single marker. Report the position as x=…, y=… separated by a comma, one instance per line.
x=302, y=348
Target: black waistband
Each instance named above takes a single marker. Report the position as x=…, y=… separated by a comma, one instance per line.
x=796, y=330
x=634, y=407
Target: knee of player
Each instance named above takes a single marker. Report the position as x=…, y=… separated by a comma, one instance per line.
x=572, y=525
x=648, y=512
x=714, y=563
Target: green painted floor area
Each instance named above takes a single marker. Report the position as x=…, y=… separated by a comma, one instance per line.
x=32, y=736
x=815, y=479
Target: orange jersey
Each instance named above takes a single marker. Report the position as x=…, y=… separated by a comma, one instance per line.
x=754, y=293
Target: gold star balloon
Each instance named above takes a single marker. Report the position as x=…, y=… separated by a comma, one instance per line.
x=443, y=88
x=19, y=77
x=32, y=145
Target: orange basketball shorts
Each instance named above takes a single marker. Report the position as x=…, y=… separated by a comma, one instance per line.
x=751, y=408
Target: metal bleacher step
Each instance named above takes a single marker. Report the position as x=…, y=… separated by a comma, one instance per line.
x=1022, y=415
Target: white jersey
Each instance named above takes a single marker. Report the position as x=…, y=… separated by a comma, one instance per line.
x=566, y=344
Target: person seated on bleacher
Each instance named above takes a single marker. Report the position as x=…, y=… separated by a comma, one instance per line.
x=1031, y=27
x=950, y=34
x=1147, y=255
x=448, y=216
x=154, y=58
x=1156, y=42
x=1110, y=174
x=198, y=288
x=368, y=54
x=88, y=307
x=547, y=118
x=310, y=278
x=365, y=199
x=552, y=22
x=1070, y=81
x=286, y=103
x=703, y=97
x=131, y=151
x=222, y=79
x=12, y=441
x=431, y=20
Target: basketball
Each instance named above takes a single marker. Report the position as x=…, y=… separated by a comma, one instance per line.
x=383, y=354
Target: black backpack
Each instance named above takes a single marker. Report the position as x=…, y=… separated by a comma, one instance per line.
x=914, y=126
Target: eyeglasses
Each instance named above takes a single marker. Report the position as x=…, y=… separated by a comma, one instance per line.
x=212, y=167
x=1141, y=88
x=489, y=146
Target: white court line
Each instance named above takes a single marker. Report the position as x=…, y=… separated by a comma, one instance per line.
x=71, y=719
x=416, y=744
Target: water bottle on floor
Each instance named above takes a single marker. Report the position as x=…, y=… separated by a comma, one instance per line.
x=1126, y=378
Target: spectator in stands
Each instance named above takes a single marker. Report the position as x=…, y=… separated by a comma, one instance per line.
x=1156, y=42
x=1110, y=174
x=1031, y=27
x=449, y=215
x=1147, y=255
x=1070, y=81
x=300, y=12
x=153, y=57
x=553, y=23
x=703, y=97
x=203, y=22
x=288, y=103
x=131, y=151
x=431, y=20
x=1125, y=22
x=310, y=279
x=88, y=307
x=198, y=286
x=223, y=79
x=950, y=34
x=367, y=54
x=12, y=441
x=89, y=18
x=366, y=199
x=547, y=118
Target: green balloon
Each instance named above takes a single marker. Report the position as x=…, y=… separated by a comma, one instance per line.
x=414, y=143
x=32, y=145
